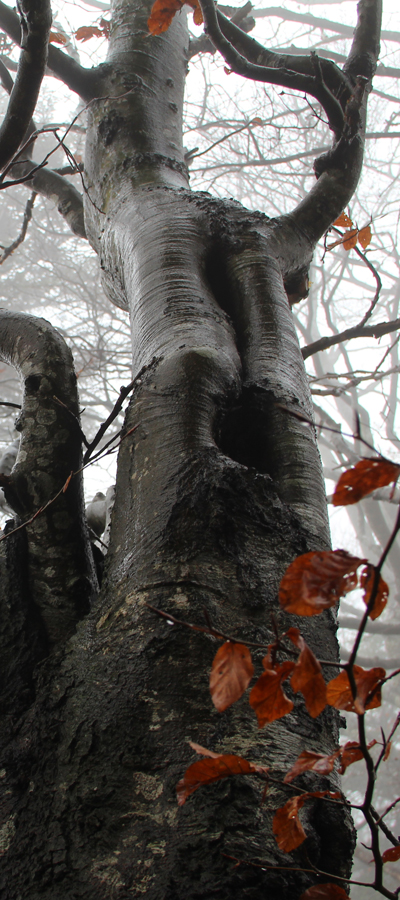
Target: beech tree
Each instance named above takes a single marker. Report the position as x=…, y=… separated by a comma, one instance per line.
x=219, y=485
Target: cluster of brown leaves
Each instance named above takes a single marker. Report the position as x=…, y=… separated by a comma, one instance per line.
x=163, y=11
x=352, y=235
x=316, y=581
x=85, y=33
x=312, y=583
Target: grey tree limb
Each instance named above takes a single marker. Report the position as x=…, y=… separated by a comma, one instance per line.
x=83, y=81
x=375, y=331
x=338, y=171
x=46, y=181
x=35, y=23
x=248, y=58
x=61, y=573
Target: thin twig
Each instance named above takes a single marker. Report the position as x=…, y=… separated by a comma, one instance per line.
x=7, y=251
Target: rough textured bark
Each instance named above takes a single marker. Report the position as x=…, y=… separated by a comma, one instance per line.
x=60, y=570
x=219, y=488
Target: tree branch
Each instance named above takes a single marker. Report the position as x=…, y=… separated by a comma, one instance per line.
x=84, y=82
x=365, y=48
x=7, y=251
x=338, y=171
x=55, y=187
x=303, y=75
x=375, y=331
x=47, y=182
x=35, y=19
x=50, y=450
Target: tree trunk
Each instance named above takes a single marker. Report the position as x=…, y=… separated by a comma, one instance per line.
x=219, y=488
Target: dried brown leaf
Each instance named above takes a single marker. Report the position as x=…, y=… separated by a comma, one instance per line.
x=231, y=673
x=86, y=32
x=339, y=695
x=288, y=830
x=364, y=237
x=315, y=581
x=267, y=697
x=391, y=855
x=343, y=221
x=350, y=239
x=307, y=675
x=57, y=37
x=350, y=753
x=308, y=761
x=209, y=770
x=364, y=477
x=367, y=581
x=326, y=891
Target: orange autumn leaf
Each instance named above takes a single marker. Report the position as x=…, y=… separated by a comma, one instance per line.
x=343, y=221
x=231, y=673
x=364, y=237
x=307, y=675
x=350, y=753
x=315, y=581
x=267, y=697
x=367, y=581
x=67, y=483
x=213, y=768
x=364, y=477
x=287, y=828
x=308, y=761
x=391, y=855
x=326, y=891
x=387, y=751
x=339, y=695
x=197, y=13
x=105, y=25
x=88, y=31
x=163, y=11
x=350, y=239
x=57, y=37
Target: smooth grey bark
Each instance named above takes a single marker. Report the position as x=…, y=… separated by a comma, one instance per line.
x=35, y=23
x=219, y=488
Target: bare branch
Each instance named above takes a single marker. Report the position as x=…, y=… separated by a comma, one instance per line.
x=338, y=171
x=35, y=19
x=296, y=73
x=375, y=331
x=7, y=251
x=84, y=82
